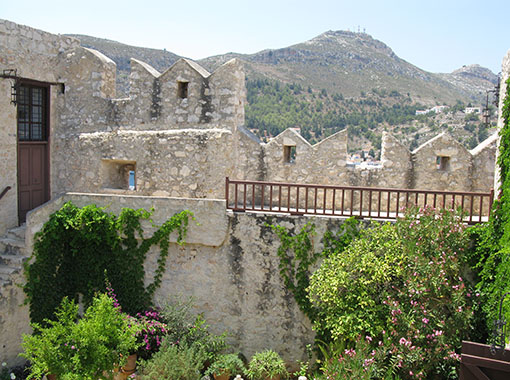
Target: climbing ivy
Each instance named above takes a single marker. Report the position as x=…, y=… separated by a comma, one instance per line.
x=298, y=257
x=492, y=240
x=75, y=248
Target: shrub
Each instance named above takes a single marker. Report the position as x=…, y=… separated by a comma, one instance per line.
x=80, y=349
x=402, y=281
x=175, y=362
x=266, y=365
x=228, y=364
x=184, y=328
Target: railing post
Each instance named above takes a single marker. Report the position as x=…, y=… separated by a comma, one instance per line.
x=226, y=189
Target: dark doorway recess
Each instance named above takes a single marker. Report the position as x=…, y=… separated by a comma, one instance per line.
x=33, y=147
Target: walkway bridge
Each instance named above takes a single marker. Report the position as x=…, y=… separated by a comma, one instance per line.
x=347, y=201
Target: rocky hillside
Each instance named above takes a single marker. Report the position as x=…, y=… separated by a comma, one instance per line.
x=351, y=63
x=472, y=79
x=341, y=62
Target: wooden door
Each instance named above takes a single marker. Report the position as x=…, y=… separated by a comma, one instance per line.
x=33, y=149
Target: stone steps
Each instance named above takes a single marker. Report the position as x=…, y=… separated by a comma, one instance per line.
x=5, y=274
x=17, y=233
x=12, y=254
x=13, y=260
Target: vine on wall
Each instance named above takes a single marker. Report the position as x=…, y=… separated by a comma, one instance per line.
x=75, y=248
x=492, y=240
x=297, y=258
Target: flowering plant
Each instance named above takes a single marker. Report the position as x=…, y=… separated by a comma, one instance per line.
x=150, y=337
x=363, y=361
x=5, y=373
x=403, y=284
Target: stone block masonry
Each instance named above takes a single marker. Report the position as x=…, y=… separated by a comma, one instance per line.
x=229, y=265
x=180, y=132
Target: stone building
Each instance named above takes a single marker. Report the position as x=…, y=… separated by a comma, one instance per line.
x=177, y=135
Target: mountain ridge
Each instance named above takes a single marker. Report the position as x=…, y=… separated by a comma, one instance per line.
x=339, y=61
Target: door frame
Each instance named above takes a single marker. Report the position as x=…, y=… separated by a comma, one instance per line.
x=46, y=125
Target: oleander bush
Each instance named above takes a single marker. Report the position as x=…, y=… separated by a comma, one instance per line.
x=403, y=284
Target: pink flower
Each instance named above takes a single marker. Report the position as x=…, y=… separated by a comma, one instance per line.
x=425, y=320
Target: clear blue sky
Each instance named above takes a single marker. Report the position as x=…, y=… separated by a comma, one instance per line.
x=437, y=36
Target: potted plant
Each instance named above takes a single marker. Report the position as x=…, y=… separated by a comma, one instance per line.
x=90, y=347
x=226, y=366
x=47, y=348
x=266, y=365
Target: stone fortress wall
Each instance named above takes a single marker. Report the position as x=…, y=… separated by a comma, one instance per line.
x=180, y=132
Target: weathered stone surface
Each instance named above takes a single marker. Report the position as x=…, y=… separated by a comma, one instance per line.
x=228, y=264
x=179, y=134
x=185, y=144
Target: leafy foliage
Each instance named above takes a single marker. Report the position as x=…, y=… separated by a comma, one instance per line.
x=185, y=328
x=403, y=282
x=266, y=365
x=187, y=345
x=81, y=349
x=175, y=362
x=76, y=246
x=492, y=241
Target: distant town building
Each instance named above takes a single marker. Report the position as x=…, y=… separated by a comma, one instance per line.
x=436, y=109
x=469, y=110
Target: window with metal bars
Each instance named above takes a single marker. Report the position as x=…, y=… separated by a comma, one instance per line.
x=32, y=110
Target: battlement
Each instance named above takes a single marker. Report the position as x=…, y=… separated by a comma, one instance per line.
x=180, y=132
x=184, y=96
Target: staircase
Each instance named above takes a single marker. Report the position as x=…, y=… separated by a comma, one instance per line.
x=12, y=254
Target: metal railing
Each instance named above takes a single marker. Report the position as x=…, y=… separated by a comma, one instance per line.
x=361, y=202
x=4, y=191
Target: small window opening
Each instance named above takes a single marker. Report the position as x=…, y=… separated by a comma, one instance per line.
x=289, y=153
x=182, y=89
x=443, y=162
x=118, y=174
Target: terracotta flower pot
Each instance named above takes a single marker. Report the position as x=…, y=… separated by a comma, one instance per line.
x=223, y=376
x=130, y=366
